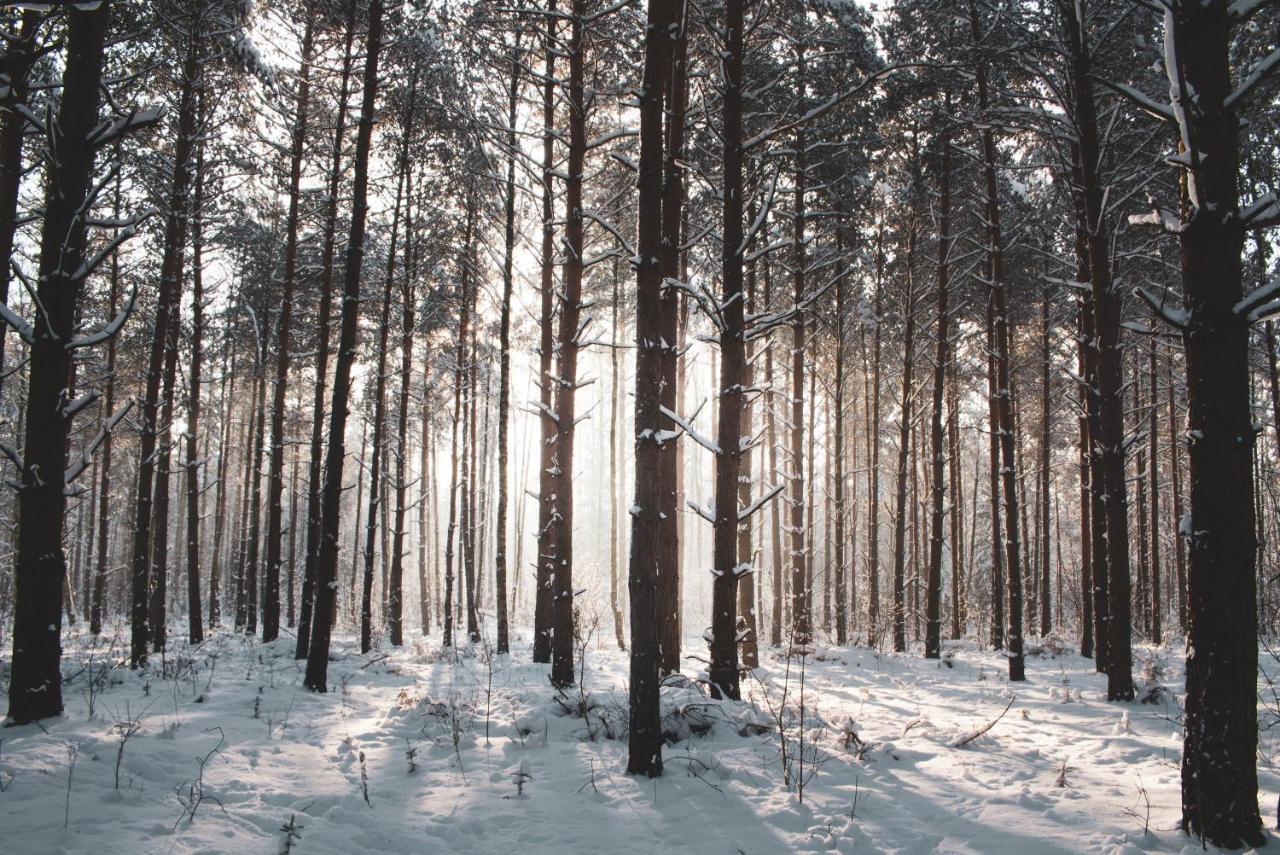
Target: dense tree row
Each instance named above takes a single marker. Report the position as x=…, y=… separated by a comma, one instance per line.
x=312, y=305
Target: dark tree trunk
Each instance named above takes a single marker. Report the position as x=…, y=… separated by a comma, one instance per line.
x=801, y=628
x=380, y=409
x=1046, y=378
x=906, y=405
x=872, y=405
x=195, y=629
x=16, y=64
x=104, y=483
x=327, y=560
x=251, y=572
x=933, y=599
x=673, y=318
x=723, y=669
x=504, y=373
x=395, y=593
x=1109, y=447
x=166, y=310
x=157, y=613
x=275, y=474
x=644, y=747
x=1153, y=479
x=1004, y=427
x=35, y=684
x=316, y=457
x=459, y=372
x=543, y=608
x=567, y=365
x=1219, y=757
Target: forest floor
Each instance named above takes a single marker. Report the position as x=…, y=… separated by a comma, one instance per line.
x=419, y=750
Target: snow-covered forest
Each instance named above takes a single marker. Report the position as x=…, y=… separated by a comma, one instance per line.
x=639, y=425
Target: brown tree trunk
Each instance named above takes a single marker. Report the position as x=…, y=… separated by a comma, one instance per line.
x=933, y=600
x=906, y=404
x=315, y=458
x=1219, y=758
x=275, y=474
x=801, y=628
x=1109, y=439
x=644, y=747
x=170, y=273
x=380, y=404
x=504, y=379
x=1004, y=427
x=327, y=559
x=567, y=366
x=730, y=398
x=35, y=685
x=543, y=607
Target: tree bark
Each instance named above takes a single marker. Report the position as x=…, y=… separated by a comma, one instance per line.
x=35, y=685
x=327, y=559
x=275, y=474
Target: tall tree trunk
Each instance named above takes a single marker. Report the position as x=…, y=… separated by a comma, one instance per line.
x=157, y=613
x=108, y=406
x=395, y=594
x=872, y=406
x=1004, y=426
x=327, y=563
x=504, y=375
x=275, y=475
x=543, y=604
x=801, y=628
x=933, y=599
x=730, y=398
x=459, y=372
x=175, y=230
x=749, y=614
x=1046, y=377
x=775, y=510
x=615, y=594
x=380, y=404
x=315, y=472
x=567, y=365
x=644, y=748
x=425, y=490
x=16, y=63
x=35, y=685
x=1219, y=768
x=1109, y=446
x=255, y=485
x=195, y=628
x=906, y=406
x=1153, y=478
x=673, y=317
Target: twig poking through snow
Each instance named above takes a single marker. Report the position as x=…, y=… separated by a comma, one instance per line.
x=965, y=740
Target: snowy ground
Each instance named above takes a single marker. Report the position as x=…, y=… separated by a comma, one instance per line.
x=1062, y=771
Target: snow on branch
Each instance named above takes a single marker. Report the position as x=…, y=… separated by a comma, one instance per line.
x=21, y=327
x=76, y=469
x=764, y=499
x=707, y=513
x=1149, y=105
x=615, y=134
x=1260, y=72
x=110, y=130
x=108, y=330
x=1260, y=302
x=687, y=428
x=1175, y=317
x=1262, y=213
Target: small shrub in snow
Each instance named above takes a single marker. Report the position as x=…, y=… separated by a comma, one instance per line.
x=292, y=835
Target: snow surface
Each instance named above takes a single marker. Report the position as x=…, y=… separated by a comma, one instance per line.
x=901, y=786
